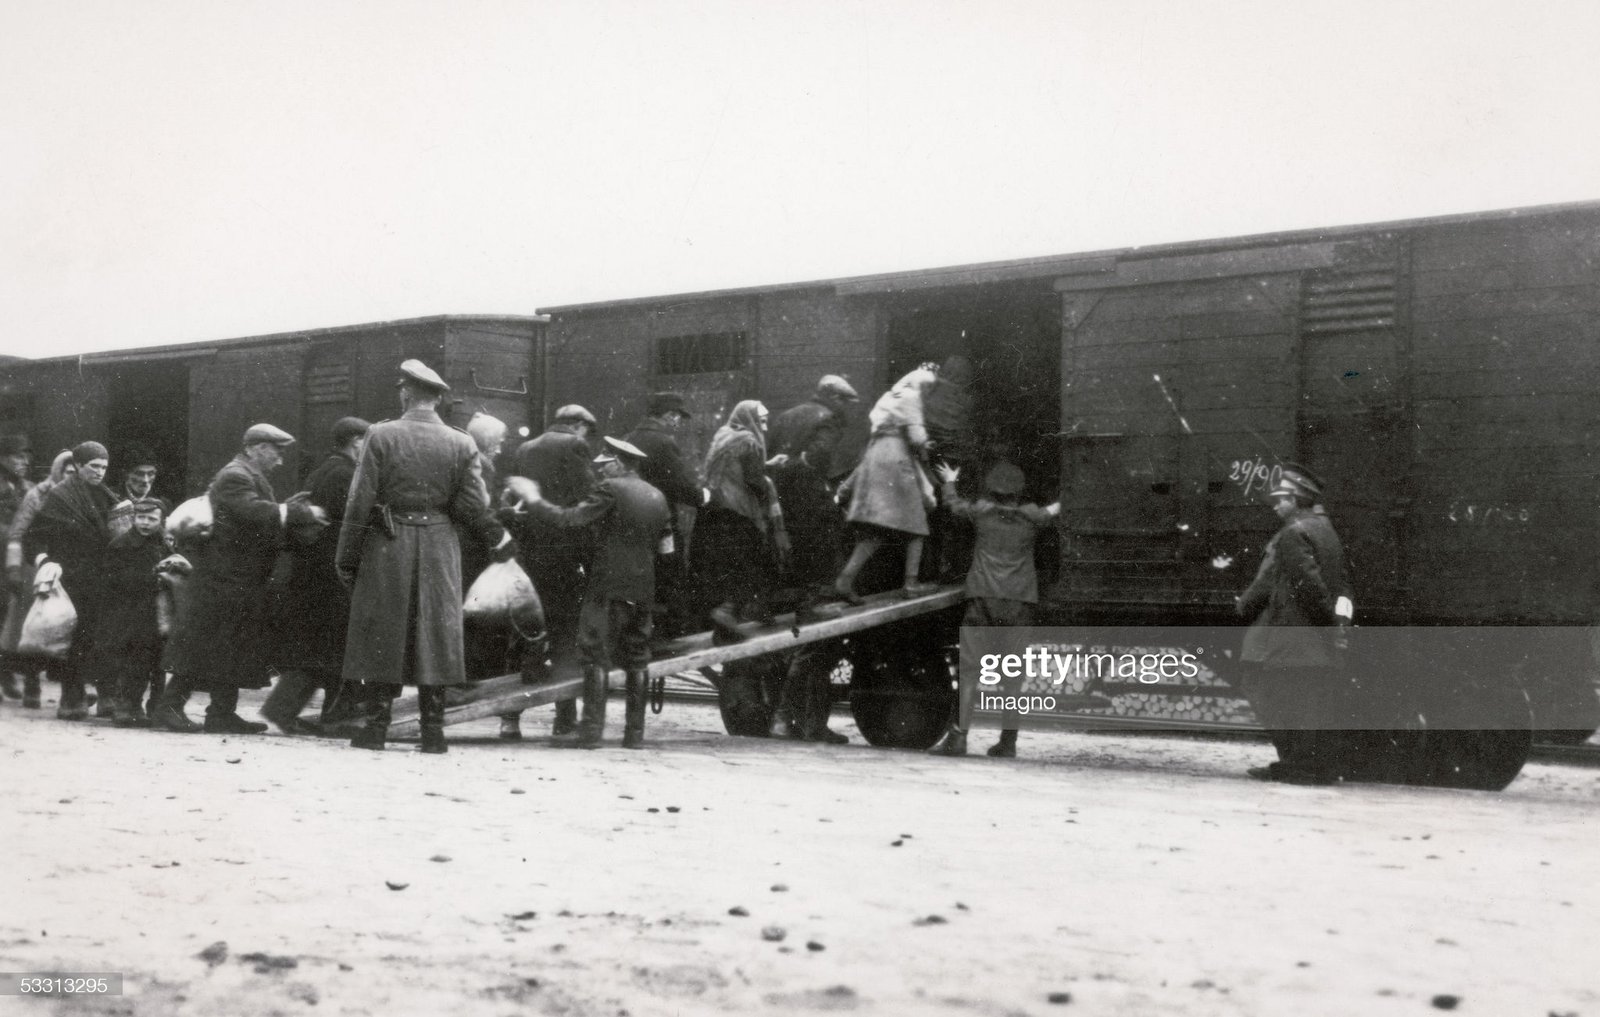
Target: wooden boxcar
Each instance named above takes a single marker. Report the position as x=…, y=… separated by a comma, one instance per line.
x=189, y=404
x=1439, y=374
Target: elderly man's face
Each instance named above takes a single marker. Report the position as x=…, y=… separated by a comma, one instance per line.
x=141, y=479
x=265, y=455
x=1283, y=505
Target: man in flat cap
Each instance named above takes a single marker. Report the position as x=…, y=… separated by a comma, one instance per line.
x=1300, y=595
x=312, y=613
x=631, y=521
x=665, y=469
x=400, y=555
x=792, y=430
x=220, y=643
x=555, y=557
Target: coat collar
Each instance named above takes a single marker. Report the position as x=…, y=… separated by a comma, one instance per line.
x=422, y=413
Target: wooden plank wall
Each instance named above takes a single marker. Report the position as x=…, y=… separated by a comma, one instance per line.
x=1506, y=320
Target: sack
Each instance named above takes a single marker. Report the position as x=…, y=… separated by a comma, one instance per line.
x=191, y=522
x=504, y=595
x=47, y=631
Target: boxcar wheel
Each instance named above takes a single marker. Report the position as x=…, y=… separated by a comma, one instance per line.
x=1481, y=760
x=903, y=704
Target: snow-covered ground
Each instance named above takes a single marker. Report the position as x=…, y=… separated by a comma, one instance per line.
x=1102, y=874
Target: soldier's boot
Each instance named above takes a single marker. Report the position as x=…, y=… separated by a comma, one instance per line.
x=30, y=690
x=593, y=725
x=566, y=718
x=953, y=744
x=375, y=732
x=1006, y=747
x=169, y=715
x=430, y=710
x=8, y=685
x=633, y=717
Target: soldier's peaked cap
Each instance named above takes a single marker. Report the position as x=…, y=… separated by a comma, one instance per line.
x=266, y=434
x=418, y=372
x=616, y=446
x=1297, y=480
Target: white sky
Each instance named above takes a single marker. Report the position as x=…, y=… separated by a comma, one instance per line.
x=176, y=171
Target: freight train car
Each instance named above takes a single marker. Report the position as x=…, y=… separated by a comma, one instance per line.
x=1439, y=373
x=189, y=404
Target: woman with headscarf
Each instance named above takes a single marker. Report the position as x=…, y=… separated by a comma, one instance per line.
x=71, y=530
x=739, y=540
x=19, y=577
x=890, y=491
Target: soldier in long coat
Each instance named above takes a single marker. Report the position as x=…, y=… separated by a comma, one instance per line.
x=631, y=521
x=14, y=487
x=220, y=643
x=313, y=608
x=554, y=557
x=401, y=557
x=1294, y=604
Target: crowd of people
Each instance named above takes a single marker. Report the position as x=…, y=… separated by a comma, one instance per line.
x=354, y=585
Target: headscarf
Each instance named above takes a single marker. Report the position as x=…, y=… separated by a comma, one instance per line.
x=58, y=470
x=745, y=419
x=725, y=476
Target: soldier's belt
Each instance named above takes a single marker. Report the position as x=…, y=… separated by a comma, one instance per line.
x=418, y=518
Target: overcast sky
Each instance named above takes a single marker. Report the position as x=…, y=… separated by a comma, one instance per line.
x=175, y=171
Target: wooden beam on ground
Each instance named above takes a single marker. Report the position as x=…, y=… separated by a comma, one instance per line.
x=507, y=693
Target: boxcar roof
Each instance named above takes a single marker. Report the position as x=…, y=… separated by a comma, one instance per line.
x=1063, y=264
x=175, y=351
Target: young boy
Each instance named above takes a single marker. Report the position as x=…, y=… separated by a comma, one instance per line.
x=1002, y=586
x=129, y=637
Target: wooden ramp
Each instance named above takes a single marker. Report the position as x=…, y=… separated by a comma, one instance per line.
x=507, y=693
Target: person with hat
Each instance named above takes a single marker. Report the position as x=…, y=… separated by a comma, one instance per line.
x=128, y=645
x=399, y=554
x=220, y=644
x=1002, y=586
x=665, y=469
x=553, y=556
x=827, y=409
x=14, y=487
x=19, y=577
x=138, y=482
x=631, y=521
x=1299, y=597
x=740, y=541
x=312, y=611
x=70, y=530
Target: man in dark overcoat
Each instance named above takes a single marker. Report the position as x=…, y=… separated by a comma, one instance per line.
x=664, y=469
x=1300, y=595
x=792, y=429
x=559, y=462
x=14, y=486
x=312, y=612
x=220, y=645
x=401, y=557
x=631, y=522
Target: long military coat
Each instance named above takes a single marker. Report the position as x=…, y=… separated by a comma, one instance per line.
x=221, y=637
x=1291, y=600
x=405, y=607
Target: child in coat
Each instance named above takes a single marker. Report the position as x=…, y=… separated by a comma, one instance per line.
x=129, y=638
x=1002, y=585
